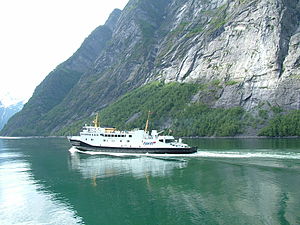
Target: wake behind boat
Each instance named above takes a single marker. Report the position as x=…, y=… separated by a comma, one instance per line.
x=96, y=138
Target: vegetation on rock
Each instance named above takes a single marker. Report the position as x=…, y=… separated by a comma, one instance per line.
x=283, y=125
x=215, y=51
x=171, y=110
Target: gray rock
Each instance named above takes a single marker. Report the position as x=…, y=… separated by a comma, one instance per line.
x=255, y=43
x=251, y=47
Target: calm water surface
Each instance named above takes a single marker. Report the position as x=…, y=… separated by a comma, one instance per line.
x=229, y=181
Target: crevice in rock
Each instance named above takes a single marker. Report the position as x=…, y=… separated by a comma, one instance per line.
x=289, y=23
x=191, y=67
x=247, y=98
x=181, y=66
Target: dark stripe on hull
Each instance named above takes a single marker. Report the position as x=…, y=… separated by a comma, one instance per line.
x=86, y=147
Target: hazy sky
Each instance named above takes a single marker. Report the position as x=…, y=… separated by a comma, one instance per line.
x=37, y=35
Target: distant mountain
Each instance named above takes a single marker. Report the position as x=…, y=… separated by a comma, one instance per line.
x=8, y=111
x=241, y=53
x=60, y=83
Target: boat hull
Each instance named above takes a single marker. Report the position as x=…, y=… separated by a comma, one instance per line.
x=142, y=150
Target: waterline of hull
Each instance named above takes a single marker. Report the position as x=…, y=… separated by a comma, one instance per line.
x=142, y=150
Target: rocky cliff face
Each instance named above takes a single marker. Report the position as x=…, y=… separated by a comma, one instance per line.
x=250, y=47
x=248, y=50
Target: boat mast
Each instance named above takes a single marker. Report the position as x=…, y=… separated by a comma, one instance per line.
x=147, y=122
x=96, y=121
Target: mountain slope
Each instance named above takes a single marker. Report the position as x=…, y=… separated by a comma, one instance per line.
x=249, y=50
x=172, y=111
x=8, y=111
x=60, y=81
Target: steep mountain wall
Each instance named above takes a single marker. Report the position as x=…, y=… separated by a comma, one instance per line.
x=250, y=47
x=248, y=50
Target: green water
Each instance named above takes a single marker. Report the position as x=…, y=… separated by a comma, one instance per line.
x=229, y=181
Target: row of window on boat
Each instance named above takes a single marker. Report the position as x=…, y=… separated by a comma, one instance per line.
x=107, y=140
x=110, y=135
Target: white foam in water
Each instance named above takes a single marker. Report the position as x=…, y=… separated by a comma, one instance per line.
x=2, y=137
x=205, y=154
x=272, y=155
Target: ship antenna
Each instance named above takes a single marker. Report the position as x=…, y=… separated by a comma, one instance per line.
x=147, y=122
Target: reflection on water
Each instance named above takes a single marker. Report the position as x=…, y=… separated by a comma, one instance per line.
x=213, y=187
x=100, y=166
x=42, y=183
x=23, y=201
x=237, y=194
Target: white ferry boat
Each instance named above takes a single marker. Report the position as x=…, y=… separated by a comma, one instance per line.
x=96, y=138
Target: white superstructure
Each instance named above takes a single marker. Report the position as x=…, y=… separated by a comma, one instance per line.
x=110, y=139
